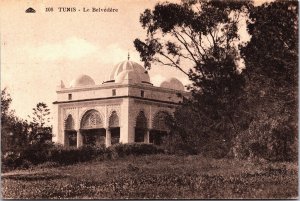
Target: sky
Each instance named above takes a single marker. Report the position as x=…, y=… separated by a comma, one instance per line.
x=40, y=49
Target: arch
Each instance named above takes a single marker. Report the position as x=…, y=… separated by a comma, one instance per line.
x=113, y=120
x=114, y=127
x=141, y=120
x=91, y=120
x=70, y=133
x=69, y=123
x=140, y=127
x=161, y=121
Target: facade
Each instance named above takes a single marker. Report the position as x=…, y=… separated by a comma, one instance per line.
x=125, y=108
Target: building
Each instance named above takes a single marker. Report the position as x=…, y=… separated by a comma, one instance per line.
x=125, y=108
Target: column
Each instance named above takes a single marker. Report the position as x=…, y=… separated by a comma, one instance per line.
x=146, y=137
x=127, y=121
x=79, y=139
x=108, y=137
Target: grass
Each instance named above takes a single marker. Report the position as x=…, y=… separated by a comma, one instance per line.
x=155, y=176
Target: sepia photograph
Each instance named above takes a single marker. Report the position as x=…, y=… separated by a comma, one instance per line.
x=149, y=99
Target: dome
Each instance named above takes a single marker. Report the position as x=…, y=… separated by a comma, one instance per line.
x=129, y=72
x=172, y=83
x=82, y=80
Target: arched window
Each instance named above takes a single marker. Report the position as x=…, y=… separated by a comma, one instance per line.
x=91, y=119
x=141, y=120
x=69, y=123
x=70, y=133
x=140, y=127
x=114, y=120
x=114, y=127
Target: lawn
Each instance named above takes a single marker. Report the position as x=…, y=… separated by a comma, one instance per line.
x=155, y=176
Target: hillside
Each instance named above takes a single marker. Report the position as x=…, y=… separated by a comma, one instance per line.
x=157, y=176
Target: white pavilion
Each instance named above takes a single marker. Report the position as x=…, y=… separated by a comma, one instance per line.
x=123, y=109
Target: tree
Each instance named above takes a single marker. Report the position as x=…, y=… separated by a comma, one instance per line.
x=5, y=103
x=203, y=34
x=40, y=131
x=41, y=114
x=14, y=130
x=5, y=120
x=272, y=73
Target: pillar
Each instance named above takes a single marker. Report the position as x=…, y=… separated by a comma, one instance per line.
x=79, y=139
x=57, y=136
x=127, y=121
x=147, y=134
x=108, y=137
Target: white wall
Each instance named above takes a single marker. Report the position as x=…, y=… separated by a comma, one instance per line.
x=126, y=107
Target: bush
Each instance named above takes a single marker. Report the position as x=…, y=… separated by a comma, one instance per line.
x=66, y=156
x=25, y=164
x=53, y=155
x=180, y=148
x=11, y=160
x=173, y=144
x=135, y=149
x=37, y=153
x=48, y=164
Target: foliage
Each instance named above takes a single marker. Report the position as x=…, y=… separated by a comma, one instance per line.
x=203, y=35
x=11, y=159
x=271, y=86
x=174, y=144
x=5, y=103
x=66, y=156
x=14, y=130
x=196, y=31
x=17, y=134
x=41, y=114
x=48, y=164
x=38, y=153
x=136, y=149
x=247, y=112
x=40, y=131
x=209, y=138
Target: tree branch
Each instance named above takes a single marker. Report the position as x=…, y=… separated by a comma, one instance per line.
x=200, y=43
x=194, y=41
x=174, y=64
x=213, y=39
x=185, y=45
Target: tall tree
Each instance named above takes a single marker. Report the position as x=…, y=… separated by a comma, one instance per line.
x=5, y=103
x=271, y=59
x=41, y=132
x=41, y=114
x=14, y=130
x=203, y=35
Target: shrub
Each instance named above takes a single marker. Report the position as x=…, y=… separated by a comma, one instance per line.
x=136, y=149
x=216, y=150
x=48, y=164
x=36, y=153
x=25, y=164
x=173, y=144
x=66, y=156
x=11, y=160
x=53, y=155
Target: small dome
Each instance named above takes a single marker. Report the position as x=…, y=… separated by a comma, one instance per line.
x=129, y=72
x=82, y=80
x=172, y=83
